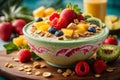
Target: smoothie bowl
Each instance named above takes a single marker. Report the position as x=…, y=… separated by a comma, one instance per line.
x=63, y=39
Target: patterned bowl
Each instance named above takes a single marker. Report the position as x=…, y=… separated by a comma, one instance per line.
x=64, y=53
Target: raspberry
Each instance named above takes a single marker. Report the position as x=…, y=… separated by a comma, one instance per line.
x=82, y=68
x=99, y=66
x=24, y=55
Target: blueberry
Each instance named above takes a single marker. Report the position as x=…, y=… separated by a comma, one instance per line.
x=58, y=33
x=39, y=19
x=52, y=30
x=92, y=29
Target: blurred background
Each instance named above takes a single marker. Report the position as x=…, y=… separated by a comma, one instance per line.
x=113, y=6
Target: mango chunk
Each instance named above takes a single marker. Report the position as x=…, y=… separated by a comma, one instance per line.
x=80, y=29
x=67, y=32
x=43, y=26
x=85, y=25
x=39, y=12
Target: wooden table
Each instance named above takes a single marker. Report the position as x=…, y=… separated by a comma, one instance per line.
x=15, y=74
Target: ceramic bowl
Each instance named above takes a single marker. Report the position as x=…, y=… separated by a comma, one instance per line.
x=64, y=53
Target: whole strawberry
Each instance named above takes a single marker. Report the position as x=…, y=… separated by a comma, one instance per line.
x=67, y=16
x=24, y=55
x=5, y=30
x=99, y=66
x=111, y=40
x=18, y=26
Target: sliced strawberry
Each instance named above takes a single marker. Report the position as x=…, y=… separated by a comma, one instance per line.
x=24, y=55
x=54, y=22
x=53, y=16
x=82, y=68
x=99, y=66
x=62, y=23
x=80, y=17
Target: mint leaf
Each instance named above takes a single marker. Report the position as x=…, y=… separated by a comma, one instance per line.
x=10, y=47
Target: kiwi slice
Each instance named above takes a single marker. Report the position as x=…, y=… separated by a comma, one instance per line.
x=95, y=21
x=108, y=52
x=86, y=16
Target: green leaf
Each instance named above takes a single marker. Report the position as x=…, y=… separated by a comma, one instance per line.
x=34, y=56
x=69, y=5
x=74, y=7
x=10, y=47
x=59, y=10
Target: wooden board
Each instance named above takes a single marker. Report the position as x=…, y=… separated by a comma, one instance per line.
x=15, y=74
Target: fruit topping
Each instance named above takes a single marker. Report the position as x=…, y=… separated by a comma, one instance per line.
x=95, y=21
x=80, y=17
x=54, y=22
x=43, y=26
x=53, y=16
x=99, y=66
x=39, y=19
x=70, y=23
x=59, y=33
x=92, y=29
x=108, y=53
x=39, y=12
x=52, y=30
x=67, y=16
x=67, y=32
x=86, y=16
x=24, y=55
x=82, y=68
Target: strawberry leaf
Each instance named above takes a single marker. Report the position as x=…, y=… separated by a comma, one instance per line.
x=69, y=5
x=77, y=9
x=74, y=7
x=59, y=10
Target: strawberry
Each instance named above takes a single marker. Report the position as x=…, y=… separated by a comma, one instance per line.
x=24, y=55
x=53, y=16
x=54, y=22
x=82, y=68
x=18, y=25
x=99, y=66
x=80, y=17
x=66, y=17
x=111, y=40
x=5, y=30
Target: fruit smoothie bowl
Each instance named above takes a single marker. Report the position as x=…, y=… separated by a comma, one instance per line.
x=66, y=45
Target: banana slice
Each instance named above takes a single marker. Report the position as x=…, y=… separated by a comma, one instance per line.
x=109, y=24
x=112, y=18
x=116, y=25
